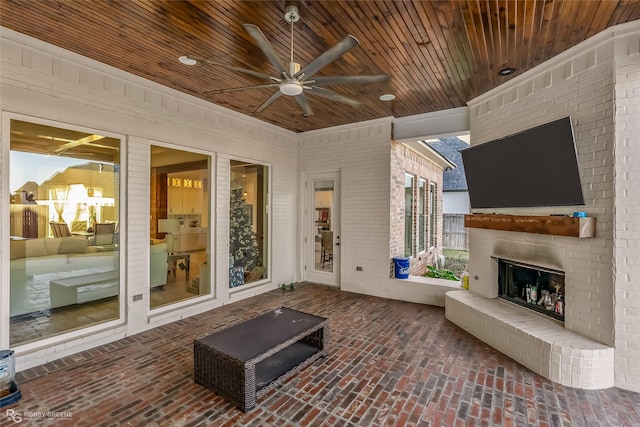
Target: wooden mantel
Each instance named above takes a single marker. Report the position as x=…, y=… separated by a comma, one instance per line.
x=554, y=225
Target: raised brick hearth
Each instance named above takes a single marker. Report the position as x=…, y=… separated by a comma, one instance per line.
x=540, y=344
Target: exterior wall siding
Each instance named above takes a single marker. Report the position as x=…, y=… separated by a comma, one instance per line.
x=44, y=82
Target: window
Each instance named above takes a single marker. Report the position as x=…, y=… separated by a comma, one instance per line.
x=64, y=230
x=422, y=210
x=408, y=215
x=248, y=223
x=179, y=208
x=432, y=214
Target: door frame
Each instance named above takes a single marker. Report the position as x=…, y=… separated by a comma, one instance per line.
x=308, y=233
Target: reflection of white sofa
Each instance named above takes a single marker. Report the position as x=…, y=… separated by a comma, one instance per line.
x=158, y=264
x=35, y=262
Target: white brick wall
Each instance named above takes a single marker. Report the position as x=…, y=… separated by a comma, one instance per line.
x=44, y=82
x=596, y=83
x=362, y=153
x=627, y=211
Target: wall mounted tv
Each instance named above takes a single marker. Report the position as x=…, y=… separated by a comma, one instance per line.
x=536, y=167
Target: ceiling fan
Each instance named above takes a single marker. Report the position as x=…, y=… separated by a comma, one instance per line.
x=293, y=80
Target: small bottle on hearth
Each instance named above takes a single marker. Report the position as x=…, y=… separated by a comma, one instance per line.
x=528, y=294
x=559, y=308
x=534, y=294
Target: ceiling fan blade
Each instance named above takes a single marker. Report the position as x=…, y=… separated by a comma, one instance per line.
x=235, y=89
x=333, y=96
x=304, y=104
x=340, y=80
x=269, y=101
x=231, y=67
x=265, y=46
x=330, y=55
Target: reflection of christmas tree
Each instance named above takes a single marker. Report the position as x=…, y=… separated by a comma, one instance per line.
x=243, y=245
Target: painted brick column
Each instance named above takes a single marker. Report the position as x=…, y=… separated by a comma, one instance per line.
x=627, y=212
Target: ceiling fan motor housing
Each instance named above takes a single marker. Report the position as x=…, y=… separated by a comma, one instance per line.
x=291, y=13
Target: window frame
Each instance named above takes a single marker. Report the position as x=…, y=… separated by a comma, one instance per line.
x=410, y=232
x=422, y=225
x=160, y=312
x=432, y=216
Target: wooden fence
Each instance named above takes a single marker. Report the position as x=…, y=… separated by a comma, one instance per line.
x=454, y=233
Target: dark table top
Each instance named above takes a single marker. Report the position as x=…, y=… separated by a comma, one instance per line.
x=256, y=336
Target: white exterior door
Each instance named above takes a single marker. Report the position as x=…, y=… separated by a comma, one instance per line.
x=322, y=228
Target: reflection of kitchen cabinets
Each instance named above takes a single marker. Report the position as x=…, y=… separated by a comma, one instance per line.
x=191, y=239
x=185, y=201
x=174, y=200
x=191, y=201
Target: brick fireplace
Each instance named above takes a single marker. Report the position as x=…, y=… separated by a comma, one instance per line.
x=596, y=83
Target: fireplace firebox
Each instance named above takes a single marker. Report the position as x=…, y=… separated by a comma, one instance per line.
x=537, y=288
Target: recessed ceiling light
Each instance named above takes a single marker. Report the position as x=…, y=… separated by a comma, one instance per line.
x=187, y=61
x=387, y=97
x=506, y=71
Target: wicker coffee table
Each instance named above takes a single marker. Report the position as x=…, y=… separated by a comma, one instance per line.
x=244, y=361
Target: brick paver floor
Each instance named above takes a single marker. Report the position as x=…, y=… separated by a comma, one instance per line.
x=391, y=363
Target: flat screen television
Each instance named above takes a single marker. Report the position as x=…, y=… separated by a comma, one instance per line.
x=536, y=167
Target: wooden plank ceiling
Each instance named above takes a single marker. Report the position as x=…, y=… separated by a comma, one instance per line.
x=438, y=54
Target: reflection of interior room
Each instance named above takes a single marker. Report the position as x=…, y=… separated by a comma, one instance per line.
x=323, y=201
x=64, y=272
x=249, y=183
x=179, y=224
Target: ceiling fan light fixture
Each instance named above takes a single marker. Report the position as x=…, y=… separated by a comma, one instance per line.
x=291, y=88
x=187, y=61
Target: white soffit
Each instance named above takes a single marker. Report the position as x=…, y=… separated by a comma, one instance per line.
x=432, y=125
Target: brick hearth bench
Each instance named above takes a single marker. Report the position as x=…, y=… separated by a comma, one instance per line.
x=542, y=345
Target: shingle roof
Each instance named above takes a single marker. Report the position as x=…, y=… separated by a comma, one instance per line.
x=453, y=180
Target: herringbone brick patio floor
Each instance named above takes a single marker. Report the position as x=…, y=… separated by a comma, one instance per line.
x=391, y=363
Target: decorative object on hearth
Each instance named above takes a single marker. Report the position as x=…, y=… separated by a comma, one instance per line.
x=294, y=80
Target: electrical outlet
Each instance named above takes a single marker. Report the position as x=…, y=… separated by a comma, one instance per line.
x=137, y=297
x=358, y=268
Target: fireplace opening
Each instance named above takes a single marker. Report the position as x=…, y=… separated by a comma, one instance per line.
x=537, y=288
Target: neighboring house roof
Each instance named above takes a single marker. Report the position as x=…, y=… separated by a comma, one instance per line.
x=428, y=153
x=453, y=179
x=29, y=187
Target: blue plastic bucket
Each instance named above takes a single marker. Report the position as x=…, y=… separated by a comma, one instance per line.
x=401, y=267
